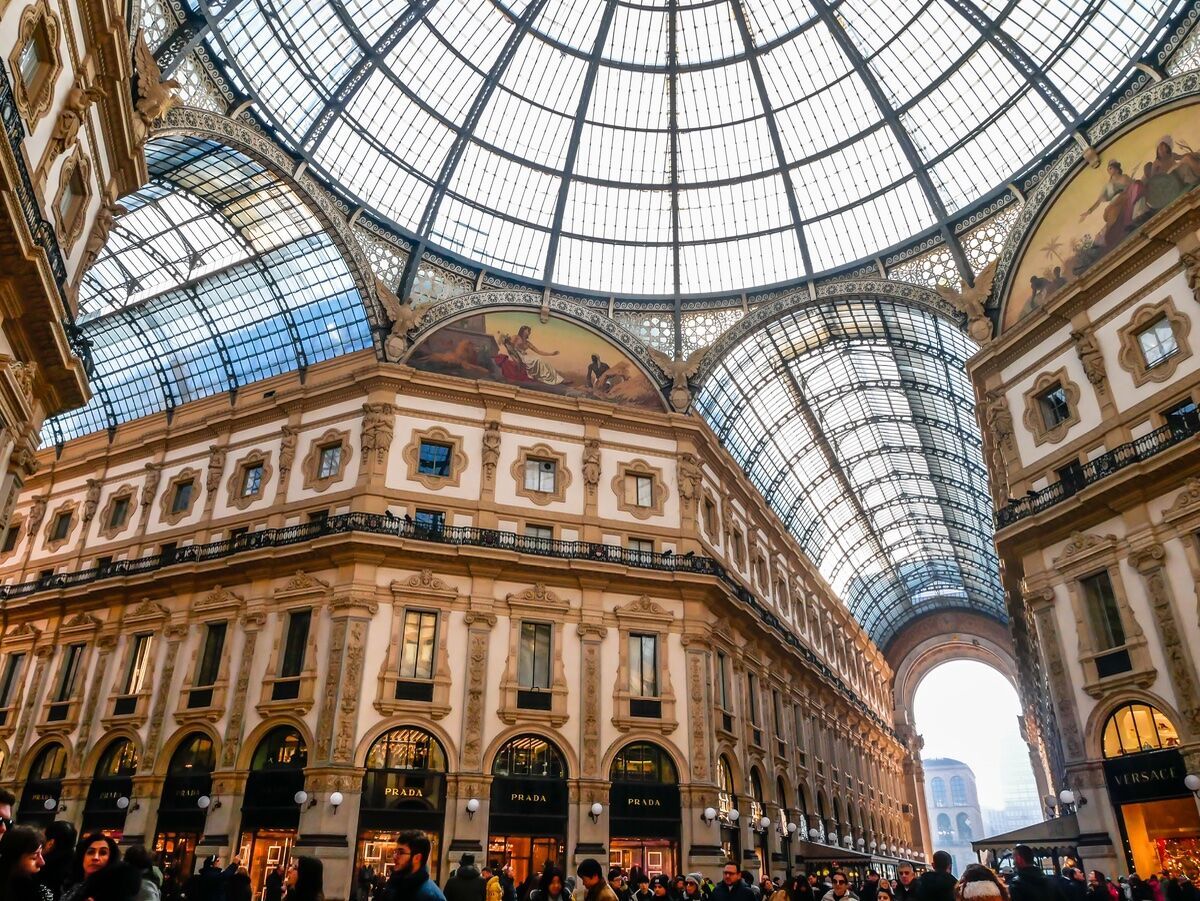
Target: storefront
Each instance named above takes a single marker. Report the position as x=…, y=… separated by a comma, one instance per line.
x=270, y=811
x=183, y=807
x=727, y=813
x=404, y=788
x=43, y=787
x=108, y=797
x=528, y=819
x=1144, y=771
x=644, y=810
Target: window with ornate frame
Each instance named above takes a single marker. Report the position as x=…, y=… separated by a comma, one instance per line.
x=414, y=677
x=35, y=61
x=1138, y=728
x=544, y=468
x=248, y=482
x=1154, y=342
x=529, y=694
x=327, y=459
x=71, y=201
x=206, y=681
x=13, y=536
x=640, y=489
x=179, y=498
x=117, y=512
x=129, y=702
x=644, y=628
x=435, y=458
x=1051, y=407
x=61, y=526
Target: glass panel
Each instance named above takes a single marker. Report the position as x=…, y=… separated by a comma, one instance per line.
x=294, y=645
x=12, y=676
x=1103, y=612
x=252, y=480
x=210, y=656
x=533, y=667
x=1055, y=408
x=540, y=475
x=1138, y=727
x=416, y=650
x=139, y=665
x=183, y=497
x=1157, y=341
x=331, y=461
x=643, y=666
x=434, y=459
x=70, y=670
x=120, y=510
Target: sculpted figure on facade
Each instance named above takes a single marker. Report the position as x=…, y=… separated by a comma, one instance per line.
x=1191, y=269
x=155, y=95
x=37, y=513
x=591, y=465
x=404, y=318
x=971, y=300
x=91, y=500
x=1089, y=354
x=150, y=488
x=216, y=466
x=679, y=371
x=70, y=120
x=106, y=217
x=287, y=449
x=491, y=449
x=689, y=481
x=378, y=425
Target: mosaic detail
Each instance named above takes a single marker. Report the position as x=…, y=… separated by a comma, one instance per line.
x=194, y=87
x=983, y=243
x=934, y=269
x=701, y=329
x=657, y=331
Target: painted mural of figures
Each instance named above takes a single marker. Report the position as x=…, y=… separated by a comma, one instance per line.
x=1119, y=196
x=529, y=357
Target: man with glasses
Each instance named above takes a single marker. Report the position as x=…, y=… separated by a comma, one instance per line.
x=7, y=800
x=841, y=888
x=409, y=879
x=905, y=888
x=732, y=886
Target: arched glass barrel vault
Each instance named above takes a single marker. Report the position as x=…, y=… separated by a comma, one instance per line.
x=855, y=419
x=652, y=147
x=217, y=275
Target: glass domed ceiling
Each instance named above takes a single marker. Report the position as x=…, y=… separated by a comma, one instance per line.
x=655, y=147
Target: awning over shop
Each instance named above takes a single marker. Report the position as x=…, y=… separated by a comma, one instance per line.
x=809, y=852
x=1051, y=838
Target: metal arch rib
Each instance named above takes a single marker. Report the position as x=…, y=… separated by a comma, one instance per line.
x=187, y=36
x=903, y=138
x=163, y=380
x=1035, y=75
x=568, y=170
x=752, y=54
x=372, y=54
x=673, y=162
x=461, y=140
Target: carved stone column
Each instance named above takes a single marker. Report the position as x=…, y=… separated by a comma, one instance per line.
x=1061, y=690
x=479, y=628
x=29, y=710
x=252, y=622
x=700, y=705
x=590, y=636
x=94, y=700
x=351, y=615
x=1149, y=561
x=175, y=634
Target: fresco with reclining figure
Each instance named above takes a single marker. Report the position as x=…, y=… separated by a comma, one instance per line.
x=1142, y=172
x=557, y=356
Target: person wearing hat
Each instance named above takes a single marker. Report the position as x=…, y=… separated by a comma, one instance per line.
x=693, y=888
x=466, y=884
x=660, y=887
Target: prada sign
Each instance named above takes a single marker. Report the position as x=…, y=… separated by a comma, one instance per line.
x=644, y=810
x=1148, y=776
x=398, y=790
x=529, y=796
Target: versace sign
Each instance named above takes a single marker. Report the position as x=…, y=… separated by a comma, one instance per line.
x=1149, y=776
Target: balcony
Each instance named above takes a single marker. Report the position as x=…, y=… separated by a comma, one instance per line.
x=1093, y=471
x=461, y=536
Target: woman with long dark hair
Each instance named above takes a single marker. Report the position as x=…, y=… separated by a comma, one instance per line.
x=305, y=880
x=94, y=853
x=20, y=862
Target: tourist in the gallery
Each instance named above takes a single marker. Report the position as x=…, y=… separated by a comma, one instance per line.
x=58, y=849
x=592, y=877
x=139, y=858
x=273, y=889
x=731, y=887
x=305, y=880
x=978, y=883
x=937, y=884
x=20, y=862
x=693, y=887
x=466, y=884
x=1099, y=888
x=93, y=854
x=7, y=800
x=1029, y=883
x=840, y=888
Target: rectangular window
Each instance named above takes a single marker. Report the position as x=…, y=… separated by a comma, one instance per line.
x=11, y=536
x=299, y=622
x=777, y=704
x=430, y=520
x=643, y=666
x=1184, y=415
x=70, y=671
x=330, y=463
x=139, y=665
x=752, y=691
x=1071, y=476
x=541, y=533
x=72, y=197
x=739, y=549
x=10, y=679
x=210, y=655
x=639, y=490
x=533, y=660
x=183, y=497
x=641, y=546
x=33, y=56
x=1103, y=612
x=1157, y=341
x=252, y=477
x=120, y=510
x=416, y=649
x=540, y=475
x=318, y=516
x=62, y=526
x=723, y=681
x=1054, y=406
x=434, y=459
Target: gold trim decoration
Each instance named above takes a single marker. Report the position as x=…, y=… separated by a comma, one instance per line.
x=167, y=499
x=562, y=475
x=33, y=101
x=236, y=498
x=1133, y=359
x=1033, y=419
x=311, y=466
x=640, y=467
x=435, y=435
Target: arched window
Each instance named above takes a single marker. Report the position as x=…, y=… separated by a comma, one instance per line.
x=964, y=829
x=118, y=760
x=643, y=762
x=726, y=796
x=529, y=755
x=50, y=764
x=281, y=749
x=406, y=749
x=193, y=756
x=958, y=791
x=937, y=788
x=944, y=829
x=1138, y=727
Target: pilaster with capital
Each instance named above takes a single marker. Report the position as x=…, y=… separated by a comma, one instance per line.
x=1149, y=561
x=479, y=630
x=175, y=634
x=1061, y=690
x=105, y=644
x=28, y=709
x=590, y=636
x=697, y=655
x=252, y=622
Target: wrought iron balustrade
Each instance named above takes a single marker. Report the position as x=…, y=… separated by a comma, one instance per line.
x=1093, y=471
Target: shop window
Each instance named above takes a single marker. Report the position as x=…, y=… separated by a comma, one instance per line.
x=533, y=666
x=1103, y=611
x=1157, y=341
x=1135, y=728
x=208, y=665
x=937, y=787
x=1054, y=406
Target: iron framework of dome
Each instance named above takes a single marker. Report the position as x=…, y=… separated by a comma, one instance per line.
x=672, y=147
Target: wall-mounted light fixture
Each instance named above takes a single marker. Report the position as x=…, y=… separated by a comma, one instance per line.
x=597, y=809
x=472, y=808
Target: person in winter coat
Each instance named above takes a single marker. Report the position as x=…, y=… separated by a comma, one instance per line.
x=20, y=862
x=978, y=883
x=1029, y=883
x=139, y=858
x=466, y=884
x=93, y=854
x=938, y=884
x=239, y=888
x=778, y=892
x=905, y=888
x=693, y=887
x=58, y=848
x=731, y=887
x=619, y=883
x=116, y=881
x=305, y=880
x=551, y=887
x=591, y=875
x=841, y=888
x=409, y=880
x=273, y=885
x=492, y=889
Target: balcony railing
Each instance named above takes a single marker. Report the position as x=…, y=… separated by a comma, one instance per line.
x=466, y=536
x=1094, y=470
